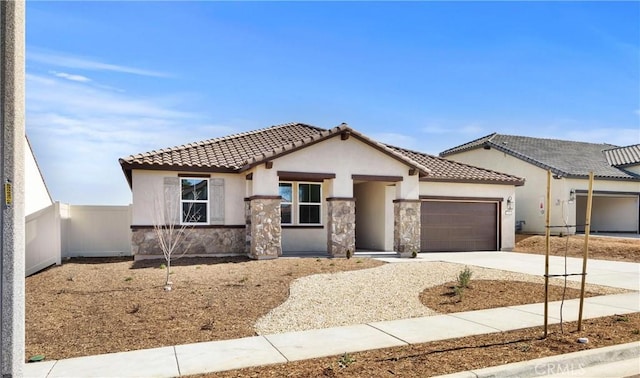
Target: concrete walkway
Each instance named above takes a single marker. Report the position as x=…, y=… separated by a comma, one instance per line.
x=223, y=355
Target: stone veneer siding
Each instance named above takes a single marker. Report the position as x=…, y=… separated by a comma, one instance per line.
x=341, y=226
x=211, y=240
x=406, y=227
x=264, y=233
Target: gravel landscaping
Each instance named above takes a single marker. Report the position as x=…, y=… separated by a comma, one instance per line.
x=387, y=292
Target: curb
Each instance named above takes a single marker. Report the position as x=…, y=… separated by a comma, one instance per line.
x=563, y=363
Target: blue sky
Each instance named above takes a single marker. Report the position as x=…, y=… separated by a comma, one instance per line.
x=110, y=79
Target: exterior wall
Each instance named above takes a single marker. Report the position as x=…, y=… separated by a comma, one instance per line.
x=303, y=239
x=343, y=158
x=507, y=221
x=217, y=241
x=308, y=238
x=148, y=187
x=37, y=195
x=346, y=158
x=372, y=214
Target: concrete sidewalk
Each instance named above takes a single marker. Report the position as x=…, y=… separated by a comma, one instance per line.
x=223, y=355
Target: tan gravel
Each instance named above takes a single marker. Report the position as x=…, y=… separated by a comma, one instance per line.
x=386, y=292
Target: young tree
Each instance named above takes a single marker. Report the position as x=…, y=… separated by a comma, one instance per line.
x=173, y=223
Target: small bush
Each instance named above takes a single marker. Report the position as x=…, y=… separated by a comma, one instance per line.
x=345, y=360
x=464, y=277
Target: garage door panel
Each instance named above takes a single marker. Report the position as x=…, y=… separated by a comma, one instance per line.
x=458, y=226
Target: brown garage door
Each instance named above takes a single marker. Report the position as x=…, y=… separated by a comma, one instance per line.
x=459, y=226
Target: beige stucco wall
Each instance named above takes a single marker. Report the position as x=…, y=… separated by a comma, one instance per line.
x=305, y=239
x=148, y=186
x=342, y=157
x=372, y=207
x=507, y=221
x=530, y=196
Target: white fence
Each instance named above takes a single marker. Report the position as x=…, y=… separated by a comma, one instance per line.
x=61, y=231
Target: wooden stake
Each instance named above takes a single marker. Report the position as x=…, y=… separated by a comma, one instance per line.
x=585, y=256
x=546, y=255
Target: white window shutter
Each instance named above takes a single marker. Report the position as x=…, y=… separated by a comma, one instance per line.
x=172, y=209
x=216, y=201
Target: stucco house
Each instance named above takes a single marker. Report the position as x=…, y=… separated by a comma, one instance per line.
x=615, y=207
x=300, y=188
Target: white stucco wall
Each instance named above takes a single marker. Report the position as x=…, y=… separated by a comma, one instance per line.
x=534, y=191
x=480, y=191
x=148, y=186
x=37, y=195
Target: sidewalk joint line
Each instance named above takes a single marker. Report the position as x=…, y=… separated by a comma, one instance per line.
x=387, y=333
x=453, y=315
x=52, y=366
x=274, y=347
x=175, y=354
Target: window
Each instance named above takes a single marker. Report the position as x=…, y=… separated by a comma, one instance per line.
x=301, y=203
x=309, y=203
x=194, y=200
x=286, y=205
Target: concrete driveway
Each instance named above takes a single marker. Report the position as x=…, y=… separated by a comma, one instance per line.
x=624, y=275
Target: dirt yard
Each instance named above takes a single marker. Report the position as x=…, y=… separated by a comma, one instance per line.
x=455, y=355
x=94, y=306
x=600, y=248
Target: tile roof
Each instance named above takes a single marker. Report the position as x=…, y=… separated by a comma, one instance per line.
x=240, y=152
x=623, y=156
x=448, y=170
x=562, y=157
x=229, y=153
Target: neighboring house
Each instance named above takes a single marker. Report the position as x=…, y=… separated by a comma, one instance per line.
x=36, y=196
x=297, y=188
x=616, y=189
